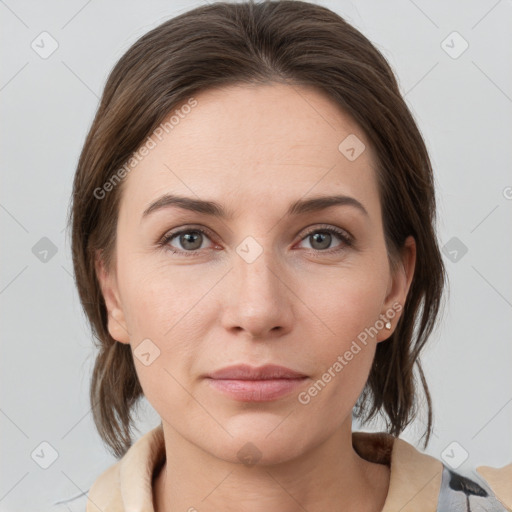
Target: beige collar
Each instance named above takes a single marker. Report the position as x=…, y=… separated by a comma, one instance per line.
x=415, y=480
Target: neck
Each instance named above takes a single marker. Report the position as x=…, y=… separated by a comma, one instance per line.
x=330, y=476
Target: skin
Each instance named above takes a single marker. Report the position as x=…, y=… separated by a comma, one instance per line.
x=255, y=150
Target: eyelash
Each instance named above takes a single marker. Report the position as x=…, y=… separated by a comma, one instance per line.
x=347, y=240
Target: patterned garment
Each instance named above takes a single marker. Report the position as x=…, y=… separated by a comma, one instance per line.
x=418, y=482
x=459, y=493
x=456, y=494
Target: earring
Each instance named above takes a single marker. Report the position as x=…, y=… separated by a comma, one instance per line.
x=388, y=325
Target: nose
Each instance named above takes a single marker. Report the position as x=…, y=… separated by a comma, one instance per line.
x=258, y=299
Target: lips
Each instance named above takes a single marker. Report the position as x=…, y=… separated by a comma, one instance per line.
x=246, y=383
x=246, y=372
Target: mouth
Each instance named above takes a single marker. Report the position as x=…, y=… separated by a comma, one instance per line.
x=256, y=384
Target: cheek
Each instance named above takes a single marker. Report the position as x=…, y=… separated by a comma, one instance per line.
x=158, y=298
x=173, y=303
x=351, y=302
x=343, y=357
x=347, y=324
x=163, y=316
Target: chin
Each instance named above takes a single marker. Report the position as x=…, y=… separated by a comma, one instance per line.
x=257, y=452
x=259, y=443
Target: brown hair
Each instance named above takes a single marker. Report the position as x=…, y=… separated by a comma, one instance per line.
x=285, y=41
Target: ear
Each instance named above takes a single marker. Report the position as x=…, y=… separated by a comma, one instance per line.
x=398, y=288
x=108, y=284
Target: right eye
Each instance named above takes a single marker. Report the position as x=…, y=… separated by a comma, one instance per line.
x=190, y=239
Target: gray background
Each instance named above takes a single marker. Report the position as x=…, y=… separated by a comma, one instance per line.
x=463, y=105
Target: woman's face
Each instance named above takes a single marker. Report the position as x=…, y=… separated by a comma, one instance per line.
x=261, y=285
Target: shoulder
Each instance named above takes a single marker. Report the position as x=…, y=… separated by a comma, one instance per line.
x=500, y=481
x=488, y=489
x=105, y=493
x=422, y=482
x=127, y=484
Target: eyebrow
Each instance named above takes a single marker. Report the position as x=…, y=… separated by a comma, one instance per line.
x=214, y=209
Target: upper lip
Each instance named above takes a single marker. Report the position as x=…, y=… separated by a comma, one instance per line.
x=246, y=372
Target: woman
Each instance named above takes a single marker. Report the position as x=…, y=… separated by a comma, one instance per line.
x=253, y=242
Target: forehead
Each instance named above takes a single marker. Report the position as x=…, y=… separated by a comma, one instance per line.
x=251, y=146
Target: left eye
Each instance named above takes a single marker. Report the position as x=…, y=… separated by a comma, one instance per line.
x=322, y=238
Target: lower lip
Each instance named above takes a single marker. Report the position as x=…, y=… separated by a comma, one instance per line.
x=256, y=390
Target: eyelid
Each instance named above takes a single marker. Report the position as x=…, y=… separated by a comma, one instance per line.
x=346, y=237
x=327, y=227
x=166, y=238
